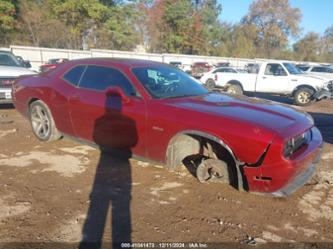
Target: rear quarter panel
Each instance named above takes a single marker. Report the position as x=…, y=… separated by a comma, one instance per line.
x=53, y=92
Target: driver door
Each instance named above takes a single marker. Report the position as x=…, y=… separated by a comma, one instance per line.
x=274, y=79
x=109, y=120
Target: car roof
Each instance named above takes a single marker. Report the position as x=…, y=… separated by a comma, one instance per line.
x=225, y=68
x=119, y=61
x=5, y=52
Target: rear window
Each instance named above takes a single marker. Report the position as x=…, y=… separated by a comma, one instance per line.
x=73, y=76
x=201, y=64
x=100, y=77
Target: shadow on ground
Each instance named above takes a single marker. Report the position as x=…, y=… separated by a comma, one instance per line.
x=324, y=122
x=111, y=190
x=6, y=106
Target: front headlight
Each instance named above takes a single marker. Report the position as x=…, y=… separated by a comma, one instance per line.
x=295, y=143
x=328, y=85
x=288, y=148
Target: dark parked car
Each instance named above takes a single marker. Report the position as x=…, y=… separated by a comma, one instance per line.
x=52, y=63
x=156, y=112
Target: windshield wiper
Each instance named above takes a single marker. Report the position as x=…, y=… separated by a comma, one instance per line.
x=179, y=96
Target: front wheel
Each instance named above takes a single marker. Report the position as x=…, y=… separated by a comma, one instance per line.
x=42, y=122
x=210, y=83
x=235, y=89
x=303, y=96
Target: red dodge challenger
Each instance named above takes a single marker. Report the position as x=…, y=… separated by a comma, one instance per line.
x=158, y=113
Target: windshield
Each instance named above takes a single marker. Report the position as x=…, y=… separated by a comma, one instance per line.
x=292, y=69
x=303, y=68
x=7, y=59
x=167, y=82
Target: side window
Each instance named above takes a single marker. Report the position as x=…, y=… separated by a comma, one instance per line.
x=319, y=69
x=304, y=68
x=329, y=70
x=100, y=77
x=73, y=76
x=275, y=69
x=230, y=70
x=323, y=70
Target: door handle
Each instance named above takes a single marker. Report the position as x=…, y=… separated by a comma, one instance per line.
x=264, y=77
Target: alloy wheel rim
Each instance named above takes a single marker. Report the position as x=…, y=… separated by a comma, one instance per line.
x=304, y=97
x=232, y=91
x=40, y=122
x=210, y=84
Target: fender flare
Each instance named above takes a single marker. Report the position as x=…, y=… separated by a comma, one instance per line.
x=235, y=82
x=301, y=86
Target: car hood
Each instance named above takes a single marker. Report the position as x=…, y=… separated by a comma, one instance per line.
x=7, y=71
x=311, y=78
x=323, y=76
x=280, y=119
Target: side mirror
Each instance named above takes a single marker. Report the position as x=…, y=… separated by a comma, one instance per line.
x=27, y=64
x=117, y=92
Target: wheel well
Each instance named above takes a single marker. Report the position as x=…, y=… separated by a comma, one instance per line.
x=302, y=86
x=209, y=79
x=30, y=102
x=235, y=82
x=189, y=147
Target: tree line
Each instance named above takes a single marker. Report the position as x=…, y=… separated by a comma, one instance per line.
x=163, y=26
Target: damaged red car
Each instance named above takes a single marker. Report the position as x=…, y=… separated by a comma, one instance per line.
x=156, y=112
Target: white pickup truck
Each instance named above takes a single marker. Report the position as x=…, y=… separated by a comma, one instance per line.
x=281, y=78
x=10, y=69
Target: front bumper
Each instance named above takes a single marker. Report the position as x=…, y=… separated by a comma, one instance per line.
x=323, y=94
x=279, y=176
x=300, y=179
x=6, y=95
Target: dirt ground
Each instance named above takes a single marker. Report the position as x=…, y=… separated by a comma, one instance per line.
x=65, y=191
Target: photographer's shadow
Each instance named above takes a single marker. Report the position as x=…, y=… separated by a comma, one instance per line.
x=115, y=134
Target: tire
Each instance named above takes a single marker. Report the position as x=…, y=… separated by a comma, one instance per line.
x=303, y=96
x=42, y=122
x=234, y=89
x=210, y=83
x=213, y=170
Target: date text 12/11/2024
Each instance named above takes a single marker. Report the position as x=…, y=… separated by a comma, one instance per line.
x=164, y=245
